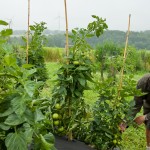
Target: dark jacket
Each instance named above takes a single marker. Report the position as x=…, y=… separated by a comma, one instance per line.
x=144, y=85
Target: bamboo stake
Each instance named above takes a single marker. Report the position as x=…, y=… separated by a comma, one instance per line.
x=70, y=137
x=28, y=32
x=66, y=18
x=124, y=57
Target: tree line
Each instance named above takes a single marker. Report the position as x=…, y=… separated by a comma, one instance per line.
x=139, y=40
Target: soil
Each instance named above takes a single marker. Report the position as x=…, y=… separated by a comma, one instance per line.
x=61, y=143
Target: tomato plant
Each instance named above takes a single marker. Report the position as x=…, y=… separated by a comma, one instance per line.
x=73, y=77
x=110, y=110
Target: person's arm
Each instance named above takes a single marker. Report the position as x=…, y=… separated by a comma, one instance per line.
x=136, y=108
x=138, y=104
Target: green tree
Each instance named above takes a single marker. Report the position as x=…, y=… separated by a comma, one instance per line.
x=108, y=55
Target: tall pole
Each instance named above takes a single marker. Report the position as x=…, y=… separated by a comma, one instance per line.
x=28, y=32
x=66, y=18
x=124, y=56
x=70, y=136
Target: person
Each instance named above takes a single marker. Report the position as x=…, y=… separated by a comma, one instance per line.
x=142, y=101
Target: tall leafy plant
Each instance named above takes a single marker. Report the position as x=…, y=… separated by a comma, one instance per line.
x=36, y=55
x=73, y=77
x=110, y=110
x=21, y=119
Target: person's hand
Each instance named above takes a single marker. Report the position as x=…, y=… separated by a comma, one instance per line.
x=139, y=120
x=122, y=127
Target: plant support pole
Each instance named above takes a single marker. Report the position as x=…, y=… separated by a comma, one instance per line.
x=66, y=18
x=124, y=57
x=70, y=137
x=27, y=50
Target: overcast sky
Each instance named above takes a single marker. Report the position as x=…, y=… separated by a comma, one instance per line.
x=115, y=12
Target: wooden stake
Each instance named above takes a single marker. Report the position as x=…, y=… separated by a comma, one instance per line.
x=66, y=18
x=124, y=57
x=28, y=32
x=70, y=137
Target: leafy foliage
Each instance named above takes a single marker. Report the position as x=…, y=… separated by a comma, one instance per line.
x=21, y=122
x=110, y=110
x=73, y=77
x=36, y=56
x=17, y=109
x=108, y=58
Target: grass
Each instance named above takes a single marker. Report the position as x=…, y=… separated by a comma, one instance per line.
x=53, y=54
x=133, y=138
x=52, y=68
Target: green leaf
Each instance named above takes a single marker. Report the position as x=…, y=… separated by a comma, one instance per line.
x=18, y=104
x=29, y=116
x=45, y=144
x=98, y=33
x=108, y=135
x=89, y=35
x=27, y=73
x=107, y=131
x=82, y=81
x=3, y=23
x=73, y=126
x=24, y=39
x=38, y=115
x=28, y=132
x=16, y=141
x=27, y=66
x=62, y=90
x=10, y=60
x=6, y=32
x=49, y=138
x=94, y=16
x=29, y=87
x=32, y=28
x=88, y=77
x=82, y=68
x=77, y=93
x=4, y=126
x=13, y=120
x=2, y=40
x=7, y=112
x=74, y=31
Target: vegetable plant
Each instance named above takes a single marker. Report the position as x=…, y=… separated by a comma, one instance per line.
x=110, y=110
x=36, y=55
x=73, y=77
x=22, y=123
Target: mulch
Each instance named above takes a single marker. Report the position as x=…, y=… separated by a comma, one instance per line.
x=61, y=143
